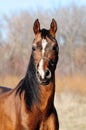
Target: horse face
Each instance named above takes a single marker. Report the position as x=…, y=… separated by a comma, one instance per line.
x=45, y=52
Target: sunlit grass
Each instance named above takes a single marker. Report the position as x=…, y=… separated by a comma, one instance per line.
x=71, y=110
x=76, y=83
x=9, y=81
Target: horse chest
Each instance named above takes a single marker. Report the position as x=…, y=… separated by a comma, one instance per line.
x=29, y=120
x=7, y=122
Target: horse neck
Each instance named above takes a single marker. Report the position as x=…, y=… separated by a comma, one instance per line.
x=35, y=94
x=47, y=95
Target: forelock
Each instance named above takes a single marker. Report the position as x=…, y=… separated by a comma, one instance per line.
x=45, y=33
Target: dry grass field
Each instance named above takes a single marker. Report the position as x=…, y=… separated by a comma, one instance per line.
x=70, y=100
x=71, y=111
x=76, y=84
x=9, y=81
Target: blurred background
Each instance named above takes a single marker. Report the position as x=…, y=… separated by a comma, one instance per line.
x=16, y=37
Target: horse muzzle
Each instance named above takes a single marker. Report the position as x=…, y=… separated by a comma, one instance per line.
x=44, y=77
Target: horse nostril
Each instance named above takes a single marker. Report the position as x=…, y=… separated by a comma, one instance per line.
x=37, y=65
x=47, y=74
x=37, y=73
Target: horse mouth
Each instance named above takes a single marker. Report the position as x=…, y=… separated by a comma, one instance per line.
x=46, y=82
x=43, y=81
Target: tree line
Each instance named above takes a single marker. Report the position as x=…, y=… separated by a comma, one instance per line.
x=16, y=37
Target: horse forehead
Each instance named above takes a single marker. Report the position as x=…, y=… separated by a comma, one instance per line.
x=44, y=43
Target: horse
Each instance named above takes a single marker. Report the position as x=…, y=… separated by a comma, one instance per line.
x=30, y=105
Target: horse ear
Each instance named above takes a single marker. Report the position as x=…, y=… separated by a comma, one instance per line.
x=36, y=26
x=53, y=27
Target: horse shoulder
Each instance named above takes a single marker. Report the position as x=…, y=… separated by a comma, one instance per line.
x=51, y=123
x=7, y=111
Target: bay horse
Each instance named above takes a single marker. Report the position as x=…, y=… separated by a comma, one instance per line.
x=30, y=106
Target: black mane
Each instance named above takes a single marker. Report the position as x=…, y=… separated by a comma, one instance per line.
x=45, y=32
x=29, y=85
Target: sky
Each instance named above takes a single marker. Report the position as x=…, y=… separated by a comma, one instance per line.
x=11, y=6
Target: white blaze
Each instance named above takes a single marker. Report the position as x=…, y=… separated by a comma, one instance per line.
x=40, y=68
x=44, y=44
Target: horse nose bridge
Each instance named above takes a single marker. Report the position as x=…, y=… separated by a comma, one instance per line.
x=45, y=63
x=42, y=67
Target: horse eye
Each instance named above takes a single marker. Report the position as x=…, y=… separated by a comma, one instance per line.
x=52, y=62
x=54, y=48
x=33, y=48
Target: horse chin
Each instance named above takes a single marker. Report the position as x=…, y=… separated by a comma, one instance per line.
x=44, y=82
